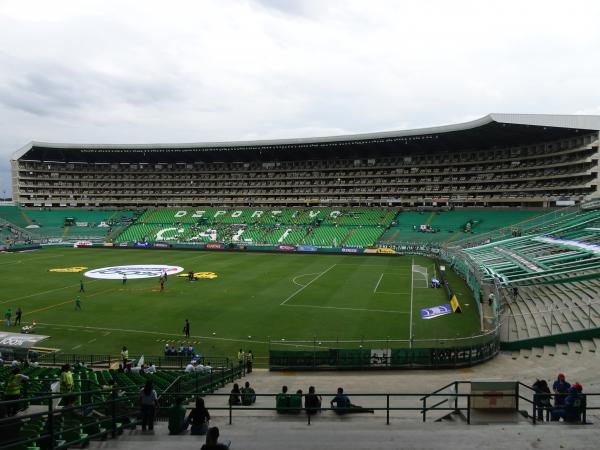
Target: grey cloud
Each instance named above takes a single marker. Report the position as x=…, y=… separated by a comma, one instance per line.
x=54, y=90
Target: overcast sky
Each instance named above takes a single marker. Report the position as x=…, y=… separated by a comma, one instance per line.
x=189, y=71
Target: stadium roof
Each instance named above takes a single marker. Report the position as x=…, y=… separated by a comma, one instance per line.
x=473, y=134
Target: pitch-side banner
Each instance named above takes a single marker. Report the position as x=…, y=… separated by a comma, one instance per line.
x=435, y=311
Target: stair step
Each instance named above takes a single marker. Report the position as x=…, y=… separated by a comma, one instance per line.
x=588, y=346
x=575, y=348
x=549, y=350
x=537, y=352
x=562, y=349
x=525, y=353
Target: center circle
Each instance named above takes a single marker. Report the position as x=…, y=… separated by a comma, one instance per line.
x=133, y=271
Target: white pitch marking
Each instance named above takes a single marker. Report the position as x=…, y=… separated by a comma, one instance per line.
x=392, y=293
x=377, y=285
x=158, y=333
x=303, y=275
x=370, y=265
x=20, y=261
x=76, y=347
x=45, y=292
x=306, y=285
x=410, y=332
x=351, y=309
x=91, y=340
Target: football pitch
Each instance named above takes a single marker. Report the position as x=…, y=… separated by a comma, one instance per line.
x=256, y=301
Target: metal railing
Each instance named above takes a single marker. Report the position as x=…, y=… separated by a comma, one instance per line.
x=120, y=410
x=162, y=362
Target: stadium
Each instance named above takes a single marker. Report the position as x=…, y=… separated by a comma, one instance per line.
x=457, y=248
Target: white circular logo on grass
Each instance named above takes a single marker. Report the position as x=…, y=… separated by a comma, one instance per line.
x=133, y=271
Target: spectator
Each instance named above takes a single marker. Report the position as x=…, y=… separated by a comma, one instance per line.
x=240, y=357
x=66, y=384
x=199, y=418
x=151, y=368
x=542, y=398
x=124, y=356
x=166, y=350
x=249, y=359
x=560, y=388
x=212, y=441
x=177, y=422
x=574, y=404
x=234, y=397
x=148, y=403
x=12, y=389
x=312, y=401
x=344, y=406
x=190, y=367
x=248, y=395
x=282, y=401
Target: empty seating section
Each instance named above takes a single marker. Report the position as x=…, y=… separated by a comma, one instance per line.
x=537, y=174
x=447, y=226
x=552, y=252
x=312, y=226
x=66, y=224
x=548, y=309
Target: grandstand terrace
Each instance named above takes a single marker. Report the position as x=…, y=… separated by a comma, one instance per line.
x=498, y=160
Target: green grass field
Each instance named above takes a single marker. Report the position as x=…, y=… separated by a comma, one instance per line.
x=256, y=298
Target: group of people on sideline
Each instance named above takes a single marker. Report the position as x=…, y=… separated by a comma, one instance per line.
x=569, y=401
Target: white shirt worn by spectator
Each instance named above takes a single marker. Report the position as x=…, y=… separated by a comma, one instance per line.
x=189, y=368
x=151, y=369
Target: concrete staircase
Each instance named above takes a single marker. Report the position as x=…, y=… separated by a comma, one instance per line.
x=585, y=348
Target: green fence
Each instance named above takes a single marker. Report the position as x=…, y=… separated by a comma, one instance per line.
x=364, y=358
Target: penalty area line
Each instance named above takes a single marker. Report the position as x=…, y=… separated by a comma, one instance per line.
x=377, y=285
x=303, y=275
x=352, y=309
x=306, y=285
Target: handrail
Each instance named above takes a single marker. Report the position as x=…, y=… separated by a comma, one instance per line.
x=131, y=406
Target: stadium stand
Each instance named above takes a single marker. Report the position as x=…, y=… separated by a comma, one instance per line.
x=499, y=160
x=93, y=394
x=327, y=227
x=65, y=224
x=447, y=226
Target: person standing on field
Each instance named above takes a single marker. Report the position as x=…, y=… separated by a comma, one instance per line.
x=186, y=329
x=124, y=279
x=78, y=303
x=81, y=287
x=18, y=316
